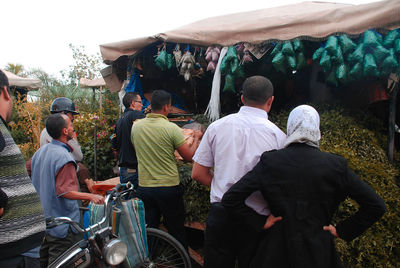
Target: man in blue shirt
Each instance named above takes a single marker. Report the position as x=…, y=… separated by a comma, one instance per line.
x=53, y=172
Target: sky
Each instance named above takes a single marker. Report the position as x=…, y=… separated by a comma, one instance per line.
x=37, y=33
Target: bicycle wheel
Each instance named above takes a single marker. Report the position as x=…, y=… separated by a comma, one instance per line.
x=165, y=250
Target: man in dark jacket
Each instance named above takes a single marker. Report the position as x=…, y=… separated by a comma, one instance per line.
x=303, y=187
x=121, y=141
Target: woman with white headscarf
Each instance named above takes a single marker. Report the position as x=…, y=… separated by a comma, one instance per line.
x=303, y=187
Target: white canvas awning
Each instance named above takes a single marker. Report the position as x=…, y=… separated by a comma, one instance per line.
x=94, y=83
x=18, y=81
x=310, y=20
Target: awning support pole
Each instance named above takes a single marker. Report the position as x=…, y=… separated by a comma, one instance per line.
x=392, y=120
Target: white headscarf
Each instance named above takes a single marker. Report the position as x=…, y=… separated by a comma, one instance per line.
x=303, y=126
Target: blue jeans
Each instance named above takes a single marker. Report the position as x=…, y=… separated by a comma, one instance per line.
x=126, y=176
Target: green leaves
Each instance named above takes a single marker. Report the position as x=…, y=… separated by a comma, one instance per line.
x=361, y=139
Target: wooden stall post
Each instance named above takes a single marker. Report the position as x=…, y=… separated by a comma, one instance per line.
x=95, y=152
x=392, y=120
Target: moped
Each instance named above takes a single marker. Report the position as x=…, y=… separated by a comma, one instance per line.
x=102, y=248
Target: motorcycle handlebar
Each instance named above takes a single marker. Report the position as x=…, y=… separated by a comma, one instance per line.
x=115, y=193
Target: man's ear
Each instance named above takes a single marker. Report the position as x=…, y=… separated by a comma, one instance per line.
x=270, y=100
x=64, y=131
x=5, y=93
x=166, y=109
x=268, y=104
x=242, y=99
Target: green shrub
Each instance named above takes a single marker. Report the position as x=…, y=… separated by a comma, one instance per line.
x=196, y=196
x=85, y=125
x=361, y=139
x=104, y=121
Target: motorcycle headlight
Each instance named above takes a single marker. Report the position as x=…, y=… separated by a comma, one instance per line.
x=115, y=251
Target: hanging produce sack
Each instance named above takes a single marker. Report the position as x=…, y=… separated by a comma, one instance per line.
x=277, y=49
x=170, y=61
x=208, y=55
x=291, y=62
x=381, y=54
x=358, y=54
x=177, y=55
x=332, y=45
x=225, y=64
x=211, y=66
x=347, y=44
x=212, y=56
x=297, y=45
x=279, y=62
x=229, y=83
x=371, y=39
x=391, y=37
x=235, y=64
x=341, y=73
x=187, y=65
x=390, y=64
x=287, y=49
x=337, y=56
x=396, y=46
x=231, y=54
x=290, y=58
x=301, y=61
x=370, y=68
x=356, y=72
x=161, y=60
x=325, y=61
x=317, y=54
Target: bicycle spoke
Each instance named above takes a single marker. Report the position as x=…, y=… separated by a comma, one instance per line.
x=165, y=251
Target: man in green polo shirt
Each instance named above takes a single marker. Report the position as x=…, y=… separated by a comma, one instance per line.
x=155, y=140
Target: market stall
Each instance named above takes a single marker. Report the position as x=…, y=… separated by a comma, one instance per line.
x=97, y=83
x=254, y=34
x=22, y=84
x=312, y=52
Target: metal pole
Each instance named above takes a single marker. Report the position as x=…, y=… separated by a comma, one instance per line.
x=94, y=98
x=95, y=152
x=101, y=97
x=392, y=122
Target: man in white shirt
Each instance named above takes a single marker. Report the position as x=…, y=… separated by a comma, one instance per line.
x=233, y=146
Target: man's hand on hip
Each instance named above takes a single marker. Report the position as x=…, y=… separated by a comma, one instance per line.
x=271, y=220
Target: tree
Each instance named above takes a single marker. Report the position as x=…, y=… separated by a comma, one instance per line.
x=17, y=69
x=86, y=66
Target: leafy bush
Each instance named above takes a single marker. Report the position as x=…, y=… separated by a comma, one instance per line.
x=26, y=125
x=28, y=121
x=359, y=138
x=103, y=121
x=196, y=196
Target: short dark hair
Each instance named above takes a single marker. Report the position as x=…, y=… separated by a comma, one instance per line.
x=4, y=82
x=128, y=98
x=257, y=90
x=159, y=98
x=55, y=124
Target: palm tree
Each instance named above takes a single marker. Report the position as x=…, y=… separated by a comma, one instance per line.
x=15, y=68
